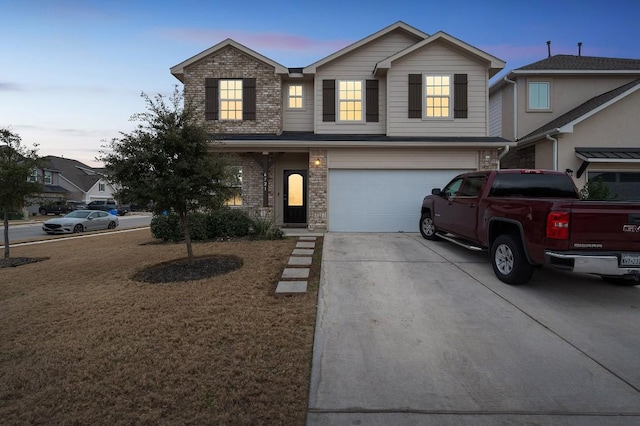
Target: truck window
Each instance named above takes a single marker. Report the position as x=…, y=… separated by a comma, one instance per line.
x=533, y=185
x=472, y=186
x=452, y=187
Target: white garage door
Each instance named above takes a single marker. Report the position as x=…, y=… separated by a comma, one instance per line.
x=380, y=200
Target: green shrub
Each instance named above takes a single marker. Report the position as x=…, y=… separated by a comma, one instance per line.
x=228, y=223
x=264, y=227
x=202, y=226
x=596, y=189
x=167, y=227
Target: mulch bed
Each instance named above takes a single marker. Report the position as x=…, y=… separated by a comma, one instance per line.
x=19, y=261
x=180, y=270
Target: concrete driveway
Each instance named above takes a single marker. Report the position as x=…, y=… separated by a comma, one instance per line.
x=415, y=332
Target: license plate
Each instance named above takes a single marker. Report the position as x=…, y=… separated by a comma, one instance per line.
x=630, y=260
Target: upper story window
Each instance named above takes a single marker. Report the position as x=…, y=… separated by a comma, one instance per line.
x=48, y=177
x=437, y=96
x=33, y=177
x=101, y=187
x=538, y=95
x=295, y=100
x=350, y=100
x=231, y=99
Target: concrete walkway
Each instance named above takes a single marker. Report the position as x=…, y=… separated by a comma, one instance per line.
x=414, y=332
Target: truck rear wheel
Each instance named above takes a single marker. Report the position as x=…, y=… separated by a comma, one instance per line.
x=427, y=228
x=508, y=260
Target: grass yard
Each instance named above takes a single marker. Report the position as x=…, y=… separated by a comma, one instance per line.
x=83, y=343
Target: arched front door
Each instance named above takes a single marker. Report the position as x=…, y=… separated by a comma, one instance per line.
x=295, y=196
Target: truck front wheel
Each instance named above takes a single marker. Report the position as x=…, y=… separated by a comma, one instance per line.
x=508, y=260
x=427, y=228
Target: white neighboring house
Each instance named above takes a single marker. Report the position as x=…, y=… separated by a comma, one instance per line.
x=69, y=179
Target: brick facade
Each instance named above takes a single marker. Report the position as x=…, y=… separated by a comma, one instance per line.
x=489, y=159
x=317, y=189
x=520, y=159
x=230, y=62
x=252, y=187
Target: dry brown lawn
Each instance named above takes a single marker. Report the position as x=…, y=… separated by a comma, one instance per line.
x=83, y=343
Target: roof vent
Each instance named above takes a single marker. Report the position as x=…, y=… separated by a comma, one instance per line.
x=579, y=48
x=549, y=48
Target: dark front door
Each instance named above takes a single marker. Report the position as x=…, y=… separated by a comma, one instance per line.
x=295, y=196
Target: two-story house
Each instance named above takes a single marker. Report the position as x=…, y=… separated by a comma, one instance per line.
x=68, y=179
x=576, y=113
x=354, y=141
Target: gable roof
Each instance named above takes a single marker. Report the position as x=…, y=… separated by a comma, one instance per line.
x=311, y=69
x=495, y=64
x=77, y=173
x=178, y=70
x=565, y=123
x=582, y=63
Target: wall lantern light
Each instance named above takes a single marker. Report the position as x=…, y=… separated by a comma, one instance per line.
x=317, y=162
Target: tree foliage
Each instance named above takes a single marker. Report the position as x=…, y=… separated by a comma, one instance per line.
x=16, y=165
x=596, y=189
x=166, y=162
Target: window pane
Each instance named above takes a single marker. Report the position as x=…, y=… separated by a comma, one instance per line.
x=437, y=90
x=295, y=191
x=539, y=95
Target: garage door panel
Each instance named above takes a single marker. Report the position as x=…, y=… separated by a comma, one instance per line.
x=380, y=200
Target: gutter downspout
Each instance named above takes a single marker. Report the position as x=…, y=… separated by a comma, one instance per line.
x=554, y=150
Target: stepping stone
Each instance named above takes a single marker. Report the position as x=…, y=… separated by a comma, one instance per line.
x=302, y=252
x=304, y=244
x=291, y=287
x=295, y=273
x=300, y=261
x=307, y=238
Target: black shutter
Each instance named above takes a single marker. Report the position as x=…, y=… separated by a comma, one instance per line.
x=372, y=101
x=248, y=98
x=210, y=98
x=328, y=100
x=460, y=108
x=415, y=95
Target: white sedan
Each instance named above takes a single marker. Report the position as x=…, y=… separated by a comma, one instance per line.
x=80, y=221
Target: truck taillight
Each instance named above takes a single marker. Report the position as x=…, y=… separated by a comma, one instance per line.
x=558, y=225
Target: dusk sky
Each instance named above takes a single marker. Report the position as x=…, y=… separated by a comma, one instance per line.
x=72, y=71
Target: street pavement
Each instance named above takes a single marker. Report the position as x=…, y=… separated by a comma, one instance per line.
x=416, y=332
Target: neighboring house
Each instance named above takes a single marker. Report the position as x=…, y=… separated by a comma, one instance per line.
x=575, y=113
x=68, y=179
x=354, y=141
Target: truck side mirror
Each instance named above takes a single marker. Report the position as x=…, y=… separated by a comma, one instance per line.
x=436, y=191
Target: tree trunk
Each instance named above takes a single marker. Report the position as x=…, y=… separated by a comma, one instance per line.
x=187, y=237
x=6, y=234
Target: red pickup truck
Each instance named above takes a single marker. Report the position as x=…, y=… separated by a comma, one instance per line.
x=528, y=218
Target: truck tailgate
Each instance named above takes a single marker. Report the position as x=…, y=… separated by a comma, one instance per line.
x=604, y=225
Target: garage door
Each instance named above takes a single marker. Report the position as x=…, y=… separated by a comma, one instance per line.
x=380, y=200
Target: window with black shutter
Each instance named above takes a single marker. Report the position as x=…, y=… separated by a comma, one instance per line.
x=210, y=98
x=372, y=113
x=328, y=100
x=249, y=99
x=460, y=108
x=415, y=95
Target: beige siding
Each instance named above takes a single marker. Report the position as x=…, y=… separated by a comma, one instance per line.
x=495, y=115
x=359, y=65
x=566, y=94
x=614, y=126
x=437, y=58
x=403, y=159
x=298, y=120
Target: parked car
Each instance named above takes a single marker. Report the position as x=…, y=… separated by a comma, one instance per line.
x=60, y=207
x=526, y=218
x=80, y=221
x=109, y=206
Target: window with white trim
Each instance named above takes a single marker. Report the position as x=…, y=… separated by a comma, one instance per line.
x=236, y=184
x=48, y=177
x=33, y=176
x=350, y=96
x=295, y=95
x=538, y=95
x=437, y=101
x=231, y=99
x=101, y=187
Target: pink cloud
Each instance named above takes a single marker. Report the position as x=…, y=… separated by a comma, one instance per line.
x=270, y=41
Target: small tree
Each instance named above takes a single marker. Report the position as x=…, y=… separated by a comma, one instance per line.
x=16, y=165
x=166, y=161
x=596, y=189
